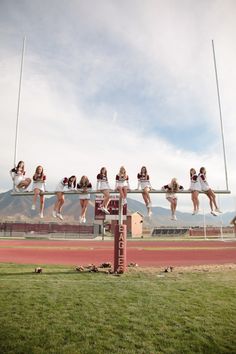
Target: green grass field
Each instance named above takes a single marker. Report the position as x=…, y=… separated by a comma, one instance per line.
x=61, y=311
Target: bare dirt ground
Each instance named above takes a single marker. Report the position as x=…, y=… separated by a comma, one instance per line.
x=189, y=269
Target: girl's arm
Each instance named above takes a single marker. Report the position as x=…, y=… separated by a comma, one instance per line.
x=139, y=182
x=128, y=185
x=149, y=182
x=165, y=188
x=108, y=185
x=98, y=182
x=117, y=179
x=79, y=187
x=39, y=178
x=89, y=186
x=12, y=174
x=72, y=187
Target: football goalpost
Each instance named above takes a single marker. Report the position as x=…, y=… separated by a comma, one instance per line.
x=120, y=229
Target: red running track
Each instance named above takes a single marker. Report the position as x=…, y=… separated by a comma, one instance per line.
x=144, y=253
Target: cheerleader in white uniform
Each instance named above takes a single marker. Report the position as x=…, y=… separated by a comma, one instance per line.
x=195, y=187
x=122, y=184
x=208, y=191
x=84, y=186
x=171, y=189
x=145, y=185
x=103, y=186
x=39, y=179
x=18, y=176
x=65, y=184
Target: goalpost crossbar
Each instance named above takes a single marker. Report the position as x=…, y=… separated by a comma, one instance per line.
x=132, y=191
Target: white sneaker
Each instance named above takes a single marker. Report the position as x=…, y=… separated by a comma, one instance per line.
x=59, y=216
x=84, y=220
x=33, y=207
x=217, y=210
x=213, y=213
x=149, y=205
x=149, y=213
x=54, y=213
x=41, y=215
x=174, y=218
x=80, y=219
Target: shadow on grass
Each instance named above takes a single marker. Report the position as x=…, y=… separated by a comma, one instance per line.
x=50, y=273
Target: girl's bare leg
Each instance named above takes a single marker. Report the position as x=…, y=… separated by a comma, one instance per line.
x=120, y=190
x=84, y=207
x=208, y=193
x=36, y=194
x=146, y=196
x=81, y=206
x=60, y=202
x=56, y=205
x=174, y=205
x=24, y=184
x=41, y=203
x=147, y=200
x=106, y=198
x=213, y=198
x=196, y=200
x=125, y=192
x=193, y=200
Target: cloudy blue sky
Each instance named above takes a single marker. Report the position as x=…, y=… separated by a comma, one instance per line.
x=111, y=83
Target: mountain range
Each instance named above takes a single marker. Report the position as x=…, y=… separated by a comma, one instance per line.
x=19, y=209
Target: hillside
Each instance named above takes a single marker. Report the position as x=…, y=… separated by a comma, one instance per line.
x=19, y=209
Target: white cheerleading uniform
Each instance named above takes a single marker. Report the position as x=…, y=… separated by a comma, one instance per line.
x=143, y=181
x=102, y=182
x=122, y=181
x=195, y=184
x=84, y=195
x=63, y=185
x=169, y=191
x=203, y=182
x=17, y=177
x=39, y=183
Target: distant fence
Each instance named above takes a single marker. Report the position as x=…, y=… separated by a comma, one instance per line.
x=47, y=228
x=164, y=231
x=195, y=231
x=210, y=231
